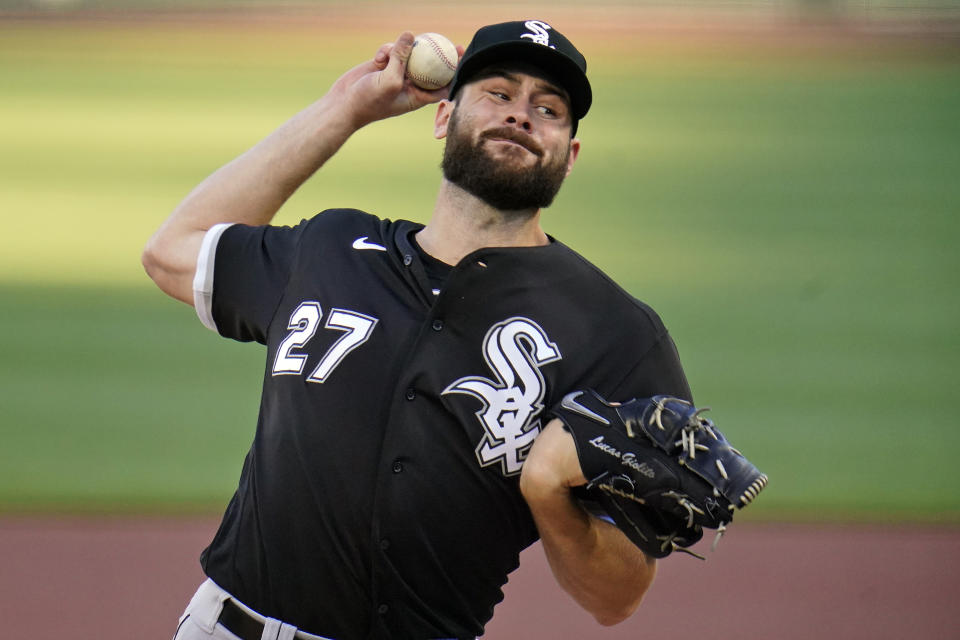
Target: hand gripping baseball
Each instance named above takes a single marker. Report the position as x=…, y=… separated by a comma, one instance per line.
x=659, y=469
x=379, y=88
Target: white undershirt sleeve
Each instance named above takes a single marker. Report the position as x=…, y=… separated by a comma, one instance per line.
x=203, y=278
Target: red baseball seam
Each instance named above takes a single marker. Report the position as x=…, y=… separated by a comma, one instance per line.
x=439, y=51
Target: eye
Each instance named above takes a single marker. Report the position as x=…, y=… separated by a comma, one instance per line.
x=552, y=109
x=500, y=95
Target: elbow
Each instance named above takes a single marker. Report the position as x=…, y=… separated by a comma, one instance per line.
x=613, y=612
x=152, y=261
x=615, y=615
x=148, y=260
x=610, y=620
x=160, y=267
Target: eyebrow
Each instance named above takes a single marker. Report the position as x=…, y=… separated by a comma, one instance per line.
x=543, y=85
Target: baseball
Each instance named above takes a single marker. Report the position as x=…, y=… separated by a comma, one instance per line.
x=432, y=61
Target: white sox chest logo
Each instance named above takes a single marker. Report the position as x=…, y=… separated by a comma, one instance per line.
x=514, y=349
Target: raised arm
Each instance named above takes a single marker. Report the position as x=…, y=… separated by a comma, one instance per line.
x=591, y=559
x=252, y=188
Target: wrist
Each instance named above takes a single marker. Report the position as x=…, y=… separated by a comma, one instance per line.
x=552, y=466
x=540, y=481
x=333, y=119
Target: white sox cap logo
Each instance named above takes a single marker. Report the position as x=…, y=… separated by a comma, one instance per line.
x=514, y=349
x=538, y=32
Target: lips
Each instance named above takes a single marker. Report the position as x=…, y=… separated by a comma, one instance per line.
x=515, y=136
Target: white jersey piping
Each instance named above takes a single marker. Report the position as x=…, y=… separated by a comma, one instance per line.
x=203, y=278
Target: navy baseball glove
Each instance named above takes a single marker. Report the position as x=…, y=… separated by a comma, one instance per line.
x=657, y=468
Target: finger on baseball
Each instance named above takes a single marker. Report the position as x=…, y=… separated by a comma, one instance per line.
x=395, y=71
x=383, y=55
x=429, y=96
x=400, y=52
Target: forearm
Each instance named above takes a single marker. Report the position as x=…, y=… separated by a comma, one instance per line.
x=253, y=187
x=593, y=561
x=590, y=559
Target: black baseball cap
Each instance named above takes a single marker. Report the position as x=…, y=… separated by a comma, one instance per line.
x=532, y=42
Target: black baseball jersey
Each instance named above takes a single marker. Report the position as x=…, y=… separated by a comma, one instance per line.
x=380, y=497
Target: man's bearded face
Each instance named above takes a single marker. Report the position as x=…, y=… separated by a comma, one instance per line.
x=504, y=183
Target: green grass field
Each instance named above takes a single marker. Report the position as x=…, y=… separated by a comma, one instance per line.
x=790, y=211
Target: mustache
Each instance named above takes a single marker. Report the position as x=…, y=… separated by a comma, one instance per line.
x=514, y=135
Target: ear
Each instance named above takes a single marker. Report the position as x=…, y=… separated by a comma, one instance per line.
x=574, y=154
x=442, y=119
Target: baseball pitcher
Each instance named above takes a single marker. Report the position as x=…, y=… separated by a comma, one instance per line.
x=433, y=394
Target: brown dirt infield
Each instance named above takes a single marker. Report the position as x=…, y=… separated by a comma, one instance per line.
x=122, y=578
x=129, y=578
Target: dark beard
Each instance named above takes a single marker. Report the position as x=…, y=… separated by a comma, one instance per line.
x=471, y=168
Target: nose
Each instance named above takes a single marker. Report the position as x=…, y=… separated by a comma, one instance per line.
x=519, y=115
x=522, y=123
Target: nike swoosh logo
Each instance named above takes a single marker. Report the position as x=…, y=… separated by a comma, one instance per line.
x=570, y=403
x=361, y=243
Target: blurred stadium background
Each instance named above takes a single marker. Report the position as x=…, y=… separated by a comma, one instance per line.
x=778, y=179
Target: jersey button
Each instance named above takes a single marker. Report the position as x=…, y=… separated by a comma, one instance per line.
x=438, y=325
x=382, y=609
x=397, y=466
x=384, y=544
x=407, y=259
x=411, y=394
